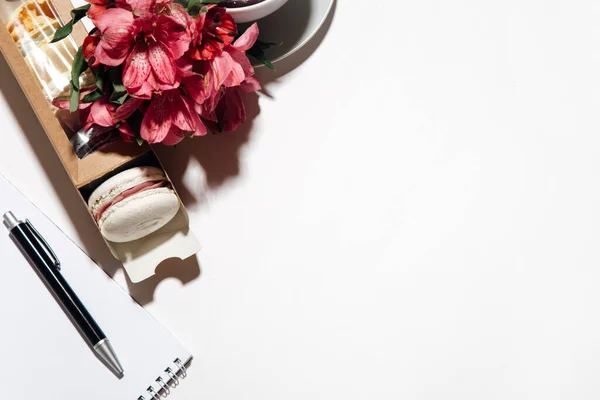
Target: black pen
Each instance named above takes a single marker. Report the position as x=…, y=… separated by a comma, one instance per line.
x=43, y=260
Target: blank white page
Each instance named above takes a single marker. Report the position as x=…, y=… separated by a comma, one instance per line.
x=42, y=355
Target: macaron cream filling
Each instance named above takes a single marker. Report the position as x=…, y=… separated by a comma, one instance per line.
x=128, y=193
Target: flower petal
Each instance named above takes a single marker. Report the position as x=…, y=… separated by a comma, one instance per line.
x=241, y=58
x=137, y=68
x=174, y=136
x=180, y=112
x=127, y=133
x=89, y=49
x=194, y=84
x=157, y=121
x=230, y=110
x=115, y=25
x=237, y=74
x=128, y=108
x=101, y=113
x=162, y=63
x=248, y=38
x=95, y=11
x=141, y=6
x=146, y=90
x=220, y=22
x=221, y=66
x=204, y=112
x=107, y=56
x=250, y=85
x=175, y=31
x=200, y=128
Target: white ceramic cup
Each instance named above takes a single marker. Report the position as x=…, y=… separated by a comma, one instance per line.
x=255, y=11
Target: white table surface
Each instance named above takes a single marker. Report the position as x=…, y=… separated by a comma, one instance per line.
x=414, y=214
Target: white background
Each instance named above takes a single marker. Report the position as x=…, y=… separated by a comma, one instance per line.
x=413, y=213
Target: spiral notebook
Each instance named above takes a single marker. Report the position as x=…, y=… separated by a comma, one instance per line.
x=44, y=357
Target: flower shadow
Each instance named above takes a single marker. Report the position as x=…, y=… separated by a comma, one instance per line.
x=219, y=154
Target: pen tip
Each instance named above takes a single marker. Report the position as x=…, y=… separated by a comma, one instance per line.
x=106, y=354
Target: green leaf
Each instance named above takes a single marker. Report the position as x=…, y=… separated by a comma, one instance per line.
x=100, y=79
x=139, y=141
x=73, y=98
x=115, y=78
x=79, y=12
x=119, y=94
x=192, y=4
x=118, y=97
x=79, y=65
x=62, y=32
x=258, y=53
x=91, y=97
x=67, y=28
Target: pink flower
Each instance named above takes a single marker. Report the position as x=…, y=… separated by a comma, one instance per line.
x=232, y=66
x=138, y=7
x=99, y=6
x=117, y=36
x=103, y=114
x=230, y=111
x=151, y=67
x=168, y=117
x=216, y=86
x=100, y=113
x=215, y=30
x=90, y=43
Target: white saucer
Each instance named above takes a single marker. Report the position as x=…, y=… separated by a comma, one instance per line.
x=293, y=25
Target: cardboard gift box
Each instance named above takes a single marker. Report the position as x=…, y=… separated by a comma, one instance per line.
x=28, y=26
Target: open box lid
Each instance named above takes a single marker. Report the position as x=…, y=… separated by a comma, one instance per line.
x=174, y=240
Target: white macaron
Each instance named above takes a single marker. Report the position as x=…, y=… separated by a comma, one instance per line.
x=133, y=204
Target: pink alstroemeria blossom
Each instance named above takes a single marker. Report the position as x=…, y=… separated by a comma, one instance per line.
x=220, y=101
x=230, y=111
x=90, y=43
x=117, y=36
x=216, y=29
x=99, y=6
x=232, y=67
x=168, y=117
x=138, y=7
x=151, y=67
x=101, y=114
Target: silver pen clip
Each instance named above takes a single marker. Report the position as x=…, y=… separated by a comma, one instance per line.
x=49, y=250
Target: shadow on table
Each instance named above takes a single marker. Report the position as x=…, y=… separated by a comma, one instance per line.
x=217, y=154
x=293, y=61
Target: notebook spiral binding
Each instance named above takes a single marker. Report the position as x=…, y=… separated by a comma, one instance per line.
x=172, y=380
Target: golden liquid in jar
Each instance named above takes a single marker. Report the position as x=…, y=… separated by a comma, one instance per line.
x=32, y=25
